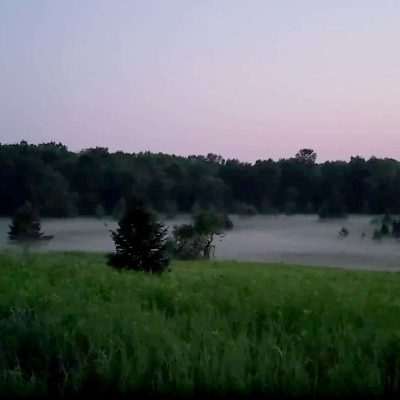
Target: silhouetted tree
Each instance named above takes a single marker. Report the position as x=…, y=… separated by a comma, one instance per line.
x=195, y=240
x=140, y=241
x=396, y=229
x=307, y=156
x=64, y=183
x=187, y=244
x=25, y=228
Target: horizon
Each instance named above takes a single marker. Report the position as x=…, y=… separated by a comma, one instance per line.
x=126, y=151
x=246, y=81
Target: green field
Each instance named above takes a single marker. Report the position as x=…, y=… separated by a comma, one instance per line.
x=69, y=324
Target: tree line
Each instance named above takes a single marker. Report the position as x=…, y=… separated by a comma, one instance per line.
x=62, y=183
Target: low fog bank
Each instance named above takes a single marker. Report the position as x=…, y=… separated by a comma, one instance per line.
x=300, y=239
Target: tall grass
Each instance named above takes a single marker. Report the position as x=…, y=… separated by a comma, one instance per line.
x=71, y=325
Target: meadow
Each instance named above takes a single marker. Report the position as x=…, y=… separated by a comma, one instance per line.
x=71, y=325
x=293, y=239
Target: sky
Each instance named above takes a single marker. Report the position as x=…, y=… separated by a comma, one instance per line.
x=247, y=79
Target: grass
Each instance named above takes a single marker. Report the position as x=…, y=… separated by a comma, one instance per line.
x=70, y=325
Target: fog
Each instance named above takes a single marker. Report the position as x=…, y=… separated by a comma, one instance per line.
x=302, y=240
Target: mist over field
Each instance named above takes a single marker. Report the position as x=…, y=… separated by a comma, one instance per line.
x=300, y=239
x=199, y=199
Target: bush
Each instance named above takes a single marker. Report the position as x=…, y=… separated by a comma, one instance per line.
x=193, y=241
x=140, y=241
x=187, y=244
x=387, y=226
x=25, y=227
x=385, y=229
x=387, y=219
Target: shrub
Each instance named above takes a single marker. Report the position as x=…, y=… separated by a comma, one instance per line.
x=385, y=229
x=140, y=241
x=187, y=244
x=25, y=227
x=387, y=219
x=192, y=241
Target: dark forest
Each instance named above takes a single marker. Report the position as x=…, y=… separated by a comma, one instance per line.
x=95, y=182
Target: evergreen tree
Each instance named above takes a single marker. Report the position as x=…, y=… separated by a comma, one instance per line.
x=25, y=227
x=140, y=241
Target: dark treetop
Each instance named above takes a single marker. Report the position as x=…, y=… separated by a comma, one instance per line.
x=93, y=182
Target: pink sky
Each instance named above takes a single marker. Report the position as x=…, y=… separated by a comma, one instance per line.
x=245, y=79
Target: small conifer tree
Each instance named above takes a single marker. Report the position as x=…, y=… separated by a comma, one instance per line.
x=25, y=228
x=140, y=241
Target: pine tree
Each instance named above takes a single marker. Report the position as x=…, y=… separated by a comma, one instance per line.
x=140, y=241
x=25, y=227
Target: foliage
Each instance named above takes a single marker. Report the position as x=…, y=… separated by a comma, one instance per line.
x=64, y=183
x=308, y=156
x=385, y=230
x=333, y=207
x=208, y=223
x=70, y=326
x=193, y=241
x=25, y=227
x=187, y=244
x=387, y=219
x=387, y=226
x=140, y=241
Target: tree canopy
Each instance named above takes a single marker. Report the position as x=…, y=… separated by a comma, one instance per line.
x=140, y=241
x=94, y=181
x=25, y=226
x=192, y=241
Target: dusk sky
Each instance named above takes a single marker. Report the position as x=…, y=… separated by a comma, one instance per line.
x=247, y=79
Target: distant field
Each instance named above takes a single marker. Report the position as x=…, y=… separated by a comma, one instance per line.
x=295, y=239
x=71, y=325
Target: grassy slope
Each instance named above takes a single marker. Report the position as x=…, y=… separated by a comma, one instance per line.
x=67, y=322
